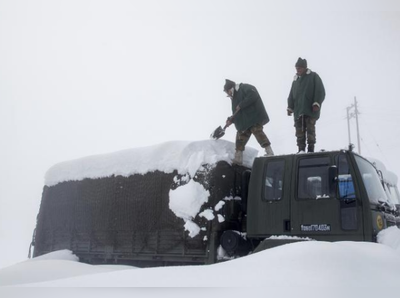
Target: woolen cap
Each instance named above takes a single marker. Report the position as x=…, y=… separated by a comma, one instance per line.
x=301, y=63
x=229, y=84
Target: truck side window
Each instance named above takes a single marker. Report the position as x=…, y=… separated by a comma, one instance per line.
x=313, y=178
x=274, y=180
x=346, y=185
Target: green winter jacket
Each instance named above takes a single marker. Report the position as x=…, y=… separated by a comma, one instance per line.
x=306, y=91
x=252, y=110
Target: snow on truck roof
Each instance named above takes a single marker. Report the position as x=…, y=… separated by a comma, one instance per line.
x=183, y=156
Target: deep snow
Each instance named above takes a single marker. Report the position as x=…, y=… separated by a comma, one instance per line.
x=309, y=265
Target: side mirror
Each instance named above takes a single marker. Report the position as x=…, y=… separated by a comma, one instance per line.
x=333, y=181
x=381, y=178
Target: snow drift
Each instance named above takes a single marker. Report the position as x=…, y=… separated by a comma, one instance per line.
x=310, y=265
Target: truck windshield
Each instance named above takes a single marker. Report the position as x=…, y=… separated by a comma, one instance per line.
x=393, y=194
x=371, y=181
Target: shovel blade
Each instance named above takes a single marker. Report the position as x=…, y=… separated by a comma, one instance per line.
x=218, y=133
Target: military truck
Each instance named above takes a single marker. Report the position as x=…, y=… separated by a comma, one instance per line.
x=326, y=196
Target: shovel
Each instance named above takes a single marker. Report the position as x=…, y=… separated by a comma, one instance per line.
x=219, y=132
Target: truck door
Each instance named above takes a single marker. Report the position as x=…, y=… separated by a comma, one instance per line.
x=269, y=202
x=316, y=211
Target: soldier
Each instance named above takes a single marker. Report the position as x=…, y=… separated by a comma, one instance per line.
x=305, y=100
x=250, y=116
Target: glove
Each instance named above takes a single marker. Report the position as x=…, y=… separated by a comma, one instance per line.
x=229, y=121
x=315, y=108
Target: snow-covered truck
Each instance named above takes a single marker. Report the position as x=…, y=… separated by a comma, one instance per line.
x=186, y=203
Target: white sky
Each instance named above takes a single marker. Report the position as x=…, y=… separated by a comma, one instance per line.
x=79, y=78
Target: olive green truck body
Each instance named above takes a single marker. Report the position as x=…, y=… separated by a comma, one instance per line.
x=326, y=196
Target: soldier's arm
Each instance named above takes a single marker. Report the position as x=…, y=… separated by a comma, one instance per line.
x=319, y=91
x=290, y=100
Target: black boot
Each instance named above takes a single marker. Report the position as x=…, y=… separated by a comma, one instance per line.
x=310, y=148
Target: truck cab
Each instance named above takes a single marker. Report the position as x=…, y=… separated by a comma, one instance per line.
x=330, y=196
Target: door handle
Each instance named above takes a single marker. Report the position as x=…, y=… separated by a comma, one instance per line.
x=286, y=225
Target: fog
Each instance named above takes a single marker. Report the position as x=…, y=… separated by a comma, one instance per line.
x=80, y=78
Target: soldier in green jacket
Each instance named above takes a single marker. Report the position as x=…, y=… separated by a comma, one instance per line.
x=305, y=101
x=249, y=117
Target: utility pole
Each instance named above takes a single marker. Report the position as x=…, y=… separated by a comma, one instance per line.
x=358, y=130
x=355, y=115
x=348, y=123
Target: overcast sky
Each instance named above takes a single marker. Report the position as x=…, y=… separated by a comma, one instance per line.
x=82, y=77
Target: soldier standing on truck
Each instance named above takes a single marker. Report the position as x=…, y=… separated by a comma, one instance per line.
x=249, y=117
x=305, y=99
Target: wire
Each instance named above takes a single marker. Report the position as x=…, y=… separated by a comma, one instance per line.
x=375, y=142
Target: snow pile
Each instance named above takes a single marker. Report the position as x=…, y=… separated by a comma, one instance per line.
x=390, y=237
x=219, y=205
x=350, y=268
x=186, y=201
x=58, y=265
x=207, y=214
x=192, y=228
x=183, y=156
x=63, y=254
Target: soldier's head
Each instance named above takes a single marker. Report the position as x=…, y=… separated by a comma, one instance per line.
x=229, y=87
x=301, y=66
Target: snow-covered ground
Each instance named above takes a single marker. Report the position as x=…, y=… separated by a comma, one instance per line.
x=353, y=269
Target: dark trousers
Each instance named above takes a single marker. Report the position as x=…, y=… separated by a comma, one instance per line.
x=305, y=129
x=242, y=137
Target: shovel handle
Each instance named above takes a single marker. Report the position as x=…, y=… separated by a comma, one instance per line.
x=231, y=117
